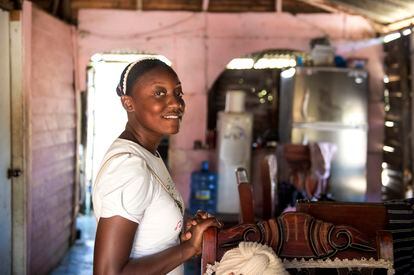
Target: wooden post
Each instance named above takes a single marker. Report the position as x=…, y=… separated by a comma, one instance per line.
x=205, y=5
x=19, y=139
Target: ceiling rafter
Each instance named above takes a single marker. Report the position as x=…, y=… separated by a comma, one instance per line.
x=6, y=5
x=278, y=5
x=383, y=15
x=326, y=5
x=139, y=5
x=205, y=5
x=408, y=22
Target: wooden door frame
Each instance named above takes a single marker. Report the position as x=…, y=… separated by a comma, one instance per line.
x=19, y=34
x=6, y=187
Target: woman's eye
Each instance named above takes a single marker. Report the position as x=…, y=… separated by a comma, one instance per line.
x=160, y=92
x=180, y=94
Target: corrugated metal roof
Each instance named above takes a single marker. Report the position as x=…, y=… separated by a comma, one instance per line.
x=381, y=11
x=388, y=15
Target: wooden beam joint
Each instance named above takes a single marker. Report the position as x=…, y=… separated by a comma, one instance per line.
x=205, y=5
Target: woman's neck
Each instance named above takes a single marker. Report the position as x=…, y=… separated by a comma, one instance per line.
x=149, y=143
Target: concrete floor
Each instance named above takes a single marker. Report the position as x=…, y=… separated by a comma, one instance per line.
x=79, y=259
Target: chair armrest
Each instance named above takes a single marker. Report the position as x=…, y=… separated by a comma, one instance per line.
x=209, y=248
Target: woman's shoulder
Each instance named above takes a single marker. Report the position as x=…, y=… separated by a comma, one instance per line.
x=121, y=149
x=121, y=165
x=125, y=146
x=121, y=155
x=122, y=145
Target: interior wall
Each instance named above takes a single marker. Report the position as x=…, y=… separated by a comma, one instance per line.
x=52, y=133
x=199, y=46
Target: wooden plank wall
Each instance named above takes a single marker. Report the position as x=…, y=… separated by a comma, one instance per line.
x=397, y=97
x=53, y=133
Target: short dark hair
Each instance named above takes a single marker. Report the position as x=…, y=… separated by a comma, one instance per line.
x=135, y=70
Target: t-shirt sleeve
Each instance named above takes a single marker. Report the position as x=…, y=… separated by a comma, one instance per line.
x=124, y=188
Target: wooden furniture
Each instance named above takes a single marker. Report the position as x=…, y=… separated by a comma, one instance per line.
x=298, y=159
x=248, y=213
x=294, y=163
x=367, y=217
x=263, y=179
x=268, y=178
x=245, y=196
x=312, y=242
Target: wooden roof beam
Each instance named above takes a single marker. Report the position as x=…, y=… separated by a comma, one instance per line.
x=139, y=5
x=6, y=5
x=278, y=5
x=325, y=5
x=205, y=5
x=408, y=22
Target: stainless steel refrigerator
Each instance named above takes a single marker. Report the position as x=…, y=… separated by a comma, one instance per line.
x=318, y=104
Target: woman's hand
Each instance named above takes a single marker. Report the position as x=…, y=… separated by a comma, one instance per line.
x=195, y=227
x=200, y=215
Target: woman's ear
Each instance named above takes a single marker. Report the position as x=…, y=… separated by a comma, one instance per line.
x=127, y=103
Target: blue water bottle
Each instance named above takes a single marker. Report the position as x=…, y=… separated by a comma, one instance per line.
x=203, y=194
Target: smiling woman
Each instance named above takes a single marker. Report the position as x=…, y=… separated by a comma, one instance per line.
x=154, y=103
x=139, y=211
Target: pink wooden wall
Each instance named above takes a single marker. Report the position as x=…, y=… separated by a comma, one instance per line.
x=201, y=44
x=52, y=136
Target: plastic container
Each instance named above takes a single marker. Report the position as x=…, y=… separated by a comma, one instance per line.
x=234, y=139
x=323, y=55
x=203, y=195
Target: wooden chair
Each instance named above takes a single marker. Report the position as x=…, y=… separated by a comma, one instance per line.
x=269, y=182
x=298, y=159
x=245, y=197
x=264, y=182
x=368, y=217
x=305, y=243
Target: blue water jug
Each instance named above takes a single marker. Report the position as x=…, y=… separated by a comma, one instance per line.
x=203, y=194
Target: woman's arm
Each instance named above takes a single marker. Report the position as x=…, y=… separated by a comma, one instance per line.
x=113, y=243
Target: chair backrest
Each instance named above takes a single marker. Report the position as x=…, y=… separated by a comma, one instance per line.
x=245, y=196
x=264, y=182
x=268, y=179
x=367, y=217
x=298, y=158
x=296, y=235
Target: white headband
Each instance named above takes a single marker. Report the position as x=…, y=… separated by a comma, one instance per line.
x=124, y=81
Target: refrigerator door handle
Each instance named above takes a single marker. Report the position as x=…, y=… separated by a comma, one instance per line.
x=305, y=103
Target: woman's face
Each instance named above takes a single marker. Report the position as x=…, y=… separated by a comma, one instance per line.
x=158, y=102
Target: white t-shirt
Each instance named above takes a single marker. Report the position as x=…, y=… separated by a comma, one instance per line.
x=126, y=187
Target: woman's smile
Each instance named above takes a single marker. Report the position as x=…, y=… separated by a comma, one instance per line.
x=173, y=116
